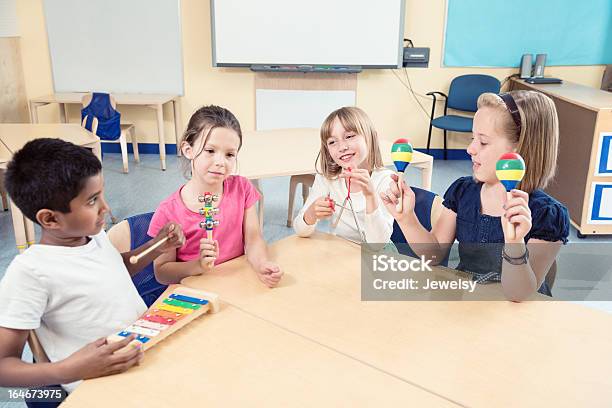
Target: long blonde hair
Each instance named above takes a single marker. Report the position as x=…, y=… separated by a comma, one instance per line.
x=355, y=120
x=537, y=139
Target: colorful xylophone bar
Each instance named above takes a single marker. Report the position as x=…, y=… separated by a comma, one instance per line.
x=174, y=309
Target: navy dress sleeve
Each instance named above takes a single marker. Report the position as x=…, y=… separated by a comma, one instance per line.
x=549, y=219
x=453, y=194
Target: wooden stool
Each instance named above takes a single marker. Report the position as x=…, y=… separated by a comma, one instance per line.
x=3, y=192
x=306, y=180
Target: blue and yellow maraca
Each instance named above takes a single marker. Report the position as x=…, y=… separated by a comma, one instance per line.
x=510, y=170
x=401, y=154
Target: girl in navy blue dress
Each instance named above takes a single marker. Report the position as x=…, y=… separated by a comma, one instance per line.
x=524, y=122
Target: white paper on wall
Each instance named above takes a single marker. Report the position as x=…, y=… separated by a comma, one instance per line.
x=287, y=109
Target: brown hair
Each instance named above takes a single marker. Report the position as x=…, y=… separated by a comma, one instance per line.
x=207, y=118
x=537, y=139
x=355, y=120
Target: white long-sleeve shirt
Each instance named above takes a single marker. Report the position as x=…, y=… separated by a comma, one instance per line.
x=378, y=225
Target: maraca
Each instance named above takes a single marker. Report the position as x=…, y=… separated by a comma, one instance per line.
x=401, y=153
x=510, y=170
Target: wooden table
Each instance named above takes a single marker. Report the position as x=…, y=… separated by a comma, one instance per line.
x=290, y=152
x=312, y=341
x=479, y=354
x=235, y=359
x=585, y=115
x=13, y=136
x=154, y=101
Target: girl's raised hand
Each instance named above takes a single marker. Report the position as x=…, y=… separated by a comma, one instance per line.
x=361, y=178
x=390, y=198
x=209, y=252
x=518, y=214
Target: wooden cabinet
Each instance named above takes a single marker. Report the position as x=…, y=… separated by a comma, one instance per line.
x=583, y=181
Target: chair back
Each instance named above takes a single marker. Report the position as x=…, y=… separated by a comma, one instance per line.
x=37, y=349
x=100, y=117
x=465, y=90
x=148, y=287
x=427, y=209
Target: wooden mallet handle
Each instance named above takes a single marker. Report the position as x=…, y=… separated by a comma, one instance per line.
x=134, y=259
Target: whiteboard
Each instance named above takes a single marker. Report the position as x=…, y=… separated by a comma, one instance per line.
x=8, y=18
x=115, y=46
x=315, y=32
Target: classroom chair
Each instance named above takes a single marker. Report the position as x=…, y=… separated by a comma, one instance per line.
x=462, y=95
x=260, y=202
x=40, y=356
x=306, y=180
x=3, y=193
x=100, y=113
x=129, y=234
x=428, y=207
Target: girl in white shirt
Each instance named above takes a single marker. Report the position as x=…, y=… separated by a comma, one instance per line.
x=349, y=157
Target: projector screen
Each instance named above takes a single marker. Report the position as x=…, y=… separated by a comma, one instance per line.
x=315, y=32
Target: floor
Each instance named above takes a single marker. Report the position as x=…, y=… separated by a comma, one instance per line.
x=146, y=185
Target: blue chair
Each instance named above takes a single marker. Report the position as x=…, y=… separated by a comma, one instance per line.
x=462, y=95
x=427, y=209
x=100, y=117
x=128, y=235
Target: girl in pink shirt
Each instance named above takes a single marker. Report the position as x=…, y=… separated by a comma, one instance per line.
x=211, y=144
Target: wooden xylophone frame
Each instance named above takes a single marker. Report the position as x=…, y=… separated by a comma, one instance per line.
x=181, y=321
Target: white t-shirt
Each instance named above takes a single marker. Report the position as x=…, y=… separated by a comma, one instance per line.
x=378, y=226
x=70, y=295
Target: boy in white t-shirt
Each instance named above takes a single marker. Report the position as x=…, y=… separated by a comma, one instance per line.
x=73, y=288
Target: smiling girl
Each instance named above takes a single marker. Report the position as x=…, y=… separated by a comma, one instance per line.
x=524, y=122
x=349, y=154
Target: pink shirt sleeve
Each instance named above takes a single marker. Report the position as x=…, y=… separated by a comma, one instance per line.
x=160, y=218
x=251, y=195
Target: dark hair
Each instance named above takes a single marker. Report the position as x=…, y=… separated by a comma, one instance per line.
x=48, y=174
x=209, y=117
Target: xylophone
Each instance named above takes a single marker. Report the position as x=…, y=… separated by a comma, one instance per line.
x=176, y=307
x=401, y=153
x=510, y=170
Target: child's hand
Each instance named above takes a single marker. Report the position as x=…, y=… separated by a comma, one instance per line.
x=175, y=235
x=322, y=208
x=390, y=198
x=518, y=214
x=99, y=359
x=209, y=252
x=361, y=178
x=269, y=273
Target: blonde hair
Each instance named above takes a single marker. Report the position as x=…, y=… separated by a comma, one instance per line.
x=355, y=120
x=537, y=139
